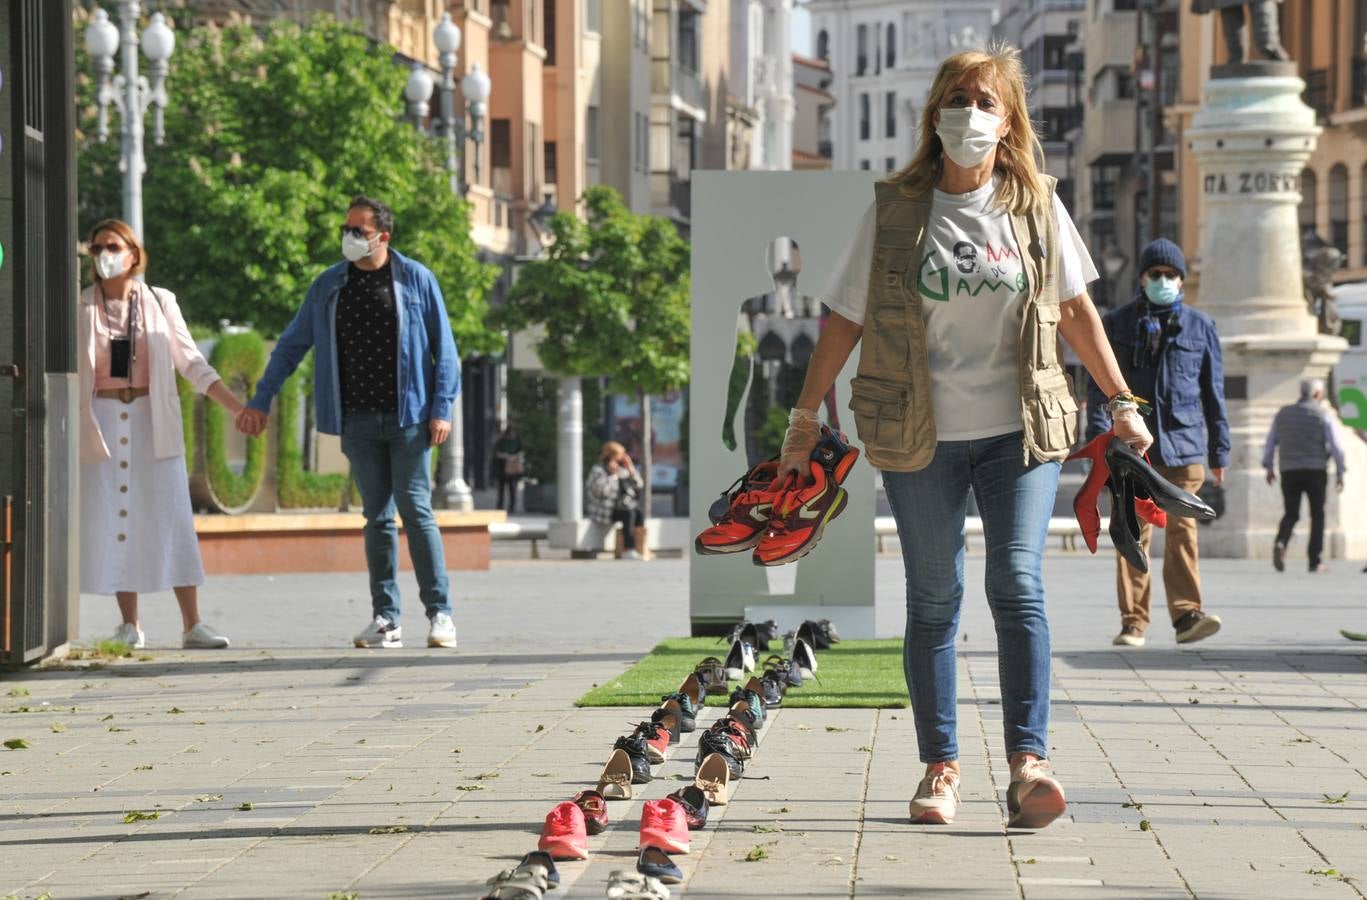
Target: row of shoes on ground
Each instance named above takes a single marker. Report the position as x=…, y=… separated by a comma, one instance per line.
x=781, y=519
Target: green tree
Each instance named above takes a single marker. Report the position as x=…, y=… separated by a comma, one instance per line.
x=613, y=299
x=269, y=133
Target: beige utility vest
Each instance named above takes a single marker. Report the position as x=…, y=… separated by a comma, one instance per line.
x=891, y=397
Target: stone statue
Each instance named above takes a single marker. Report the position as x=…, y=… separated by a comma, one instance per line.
x=1266, y=34
x=1319, y=261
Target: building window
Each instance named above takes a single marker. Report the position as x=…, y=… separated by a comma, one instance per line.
x=501, y=155
x=890, y=114
x=864, y=116
x=548, y=19
x=861, y=50
x=890, y=164
x=1338, y=207
x=593, y=15
x=823, y=45
x=688, y=40
x=591, y=133
x=890, y=47
x=864, y=165
x=548, y=154
x=1104, y=181
x=1305, y=215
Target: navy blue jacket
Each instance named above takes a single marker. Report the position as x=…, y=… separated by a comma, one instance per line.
x=1186, y=388
x=429, y=367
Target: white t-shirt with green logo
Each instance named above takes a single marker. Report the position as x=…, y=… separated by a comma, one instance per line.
x=972, y=286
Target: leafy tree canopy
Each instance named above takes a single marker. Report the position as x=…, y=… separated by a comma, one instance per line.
x=269, y=133
x=612, y=297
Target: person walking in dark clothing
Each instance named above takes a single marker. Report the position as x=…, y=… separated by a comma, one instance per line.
x=1302, y=439
x=510, y=465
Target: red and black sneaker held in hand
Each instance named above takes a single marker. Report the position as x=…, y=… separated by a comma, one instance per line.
x=799, y=519
x=742, y=527
x=834, y=453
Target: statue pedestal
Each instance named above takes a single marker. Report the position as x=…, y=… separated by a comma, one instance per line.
x=1251, y=138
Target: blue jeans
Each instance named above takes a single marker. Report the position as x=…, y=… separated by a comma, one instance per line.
x=1015, y=502
x=391, y=468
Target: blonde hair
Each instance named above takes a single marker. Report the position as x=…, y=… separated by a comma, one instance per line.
x=125, y=233
x=612, y=450
x=1022, y=189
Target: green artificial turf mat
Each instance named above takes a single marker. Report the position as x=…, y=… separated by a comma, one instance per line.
x=860, y=674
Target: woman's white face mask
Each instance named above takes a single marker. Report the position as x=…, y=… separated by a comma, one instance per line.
x=968, y=134
x=110, y=264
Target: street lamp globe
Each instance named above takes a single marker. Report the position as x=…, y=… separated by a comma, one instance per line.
x=475, y=85
x=447, y=35
x=158, y=41
x=419, y=87
x=101, y=36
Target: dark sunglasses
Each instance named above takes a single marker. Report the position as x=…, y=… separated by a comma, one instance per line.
x=112, y=248
x=355, y=231
x=1155, y=274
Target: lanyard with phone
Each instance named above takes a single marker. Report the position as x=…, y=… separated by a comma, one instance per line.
x=123, y=350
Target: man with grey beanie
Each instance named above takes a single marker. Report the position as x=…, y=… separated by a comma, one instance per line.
x=1303, y=437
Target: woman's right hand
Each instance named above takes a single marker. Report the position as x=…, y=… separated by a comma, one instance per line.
x=804, y=431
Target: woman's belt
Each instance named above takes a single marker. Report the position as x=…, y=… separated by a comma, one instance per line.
x=127, y=394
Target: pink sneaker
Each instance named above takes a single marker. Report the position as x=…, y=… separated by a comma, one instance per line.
x=1034, y=798
x=937, y=799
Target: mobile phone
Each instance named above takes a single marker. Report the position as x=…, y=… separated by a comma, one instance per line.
x=120, y=349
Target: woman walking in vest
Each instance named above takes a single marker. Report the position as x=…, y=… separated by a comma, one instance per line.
x=137, y=528
x=962, y=273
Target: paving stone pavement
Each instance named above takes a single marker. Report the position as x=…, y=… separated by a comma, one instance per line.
x=294, y=766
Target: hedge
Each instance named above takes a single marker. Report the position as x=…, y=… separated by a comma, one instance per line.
x=240, y=359
x=295, y=486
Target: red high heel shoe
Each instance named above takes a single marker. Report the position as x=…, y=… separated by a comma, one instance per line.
x=1085, y=503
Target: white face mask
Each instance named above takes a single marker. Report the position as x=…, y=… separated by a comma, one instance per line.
x=110, y=264
x=357, y=248
x=969, y=135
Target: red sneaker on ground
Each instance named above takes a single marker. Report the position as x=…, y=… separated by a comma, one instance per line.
x=564, y=835
x=664, y=825
x=657, y=742
x=799, y=518
x=748, y=515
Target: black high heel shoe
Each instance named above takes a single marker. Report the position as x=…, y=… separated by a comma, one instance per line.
x=1128, y=466
x=1124, y=527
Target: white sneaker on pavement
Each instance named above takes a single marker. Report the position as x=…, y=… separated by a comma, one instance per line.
x=204, y=637
x=131, y=635
x=380, y=633
x=631, y=554
x=937, y=798
x=443, y=632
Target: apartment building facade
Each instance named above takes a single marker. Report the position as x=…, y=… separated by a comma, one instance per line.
x=883, y=55
x=813, y=103
x=761, y=80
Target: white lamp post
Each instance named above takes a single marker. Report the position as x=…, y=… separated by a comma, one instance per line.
x=129, y=92
x=452, y=492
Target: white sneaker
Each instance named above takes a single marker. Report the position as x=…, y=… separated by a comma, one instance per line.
x=937, y=798
x=443, y=632
x=630, y=554
x=204, y=637
x=131, y=635
x=380, y=633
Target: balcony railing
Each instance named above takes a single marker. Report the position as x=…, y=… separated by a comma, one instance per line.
x=667, y=77
x=1317, y=92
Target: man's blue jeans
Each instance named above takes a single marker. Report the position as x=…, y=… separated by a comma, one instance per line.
x=391, y=468
x=1015, y=501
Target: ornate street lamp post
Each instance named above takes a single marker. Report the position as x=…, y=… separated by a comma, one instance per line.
x=452, y=492
x=129, y=92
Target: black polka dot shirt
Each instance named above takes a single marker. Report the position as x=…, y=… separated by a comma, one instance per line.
x=368, y=341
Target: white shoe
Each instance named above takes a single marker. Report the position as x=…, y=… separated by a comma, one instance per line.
x=443, y=631
x=1130, y=636
x=203, y=637
x=630, y=554
x=740, y=660
x=937, y=798
x=131, y=635
x=380, y=633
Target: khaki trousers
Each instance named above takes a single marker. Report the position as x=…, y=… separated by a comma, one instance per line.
x=1181, y=572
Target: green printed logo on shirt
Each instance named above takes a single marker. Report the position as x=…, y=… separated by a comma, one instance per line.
x=970, y=272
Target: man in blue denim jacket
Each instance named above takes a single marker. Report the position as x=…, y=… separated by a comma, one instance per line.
x=1170, y=355
x=386, y=377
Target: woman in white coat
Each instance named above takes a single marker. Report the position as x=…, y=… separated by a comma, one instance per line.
x=137, y=526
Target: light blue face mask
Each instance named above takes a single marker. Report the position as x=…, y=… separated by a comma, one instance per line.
x=1162, y=291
